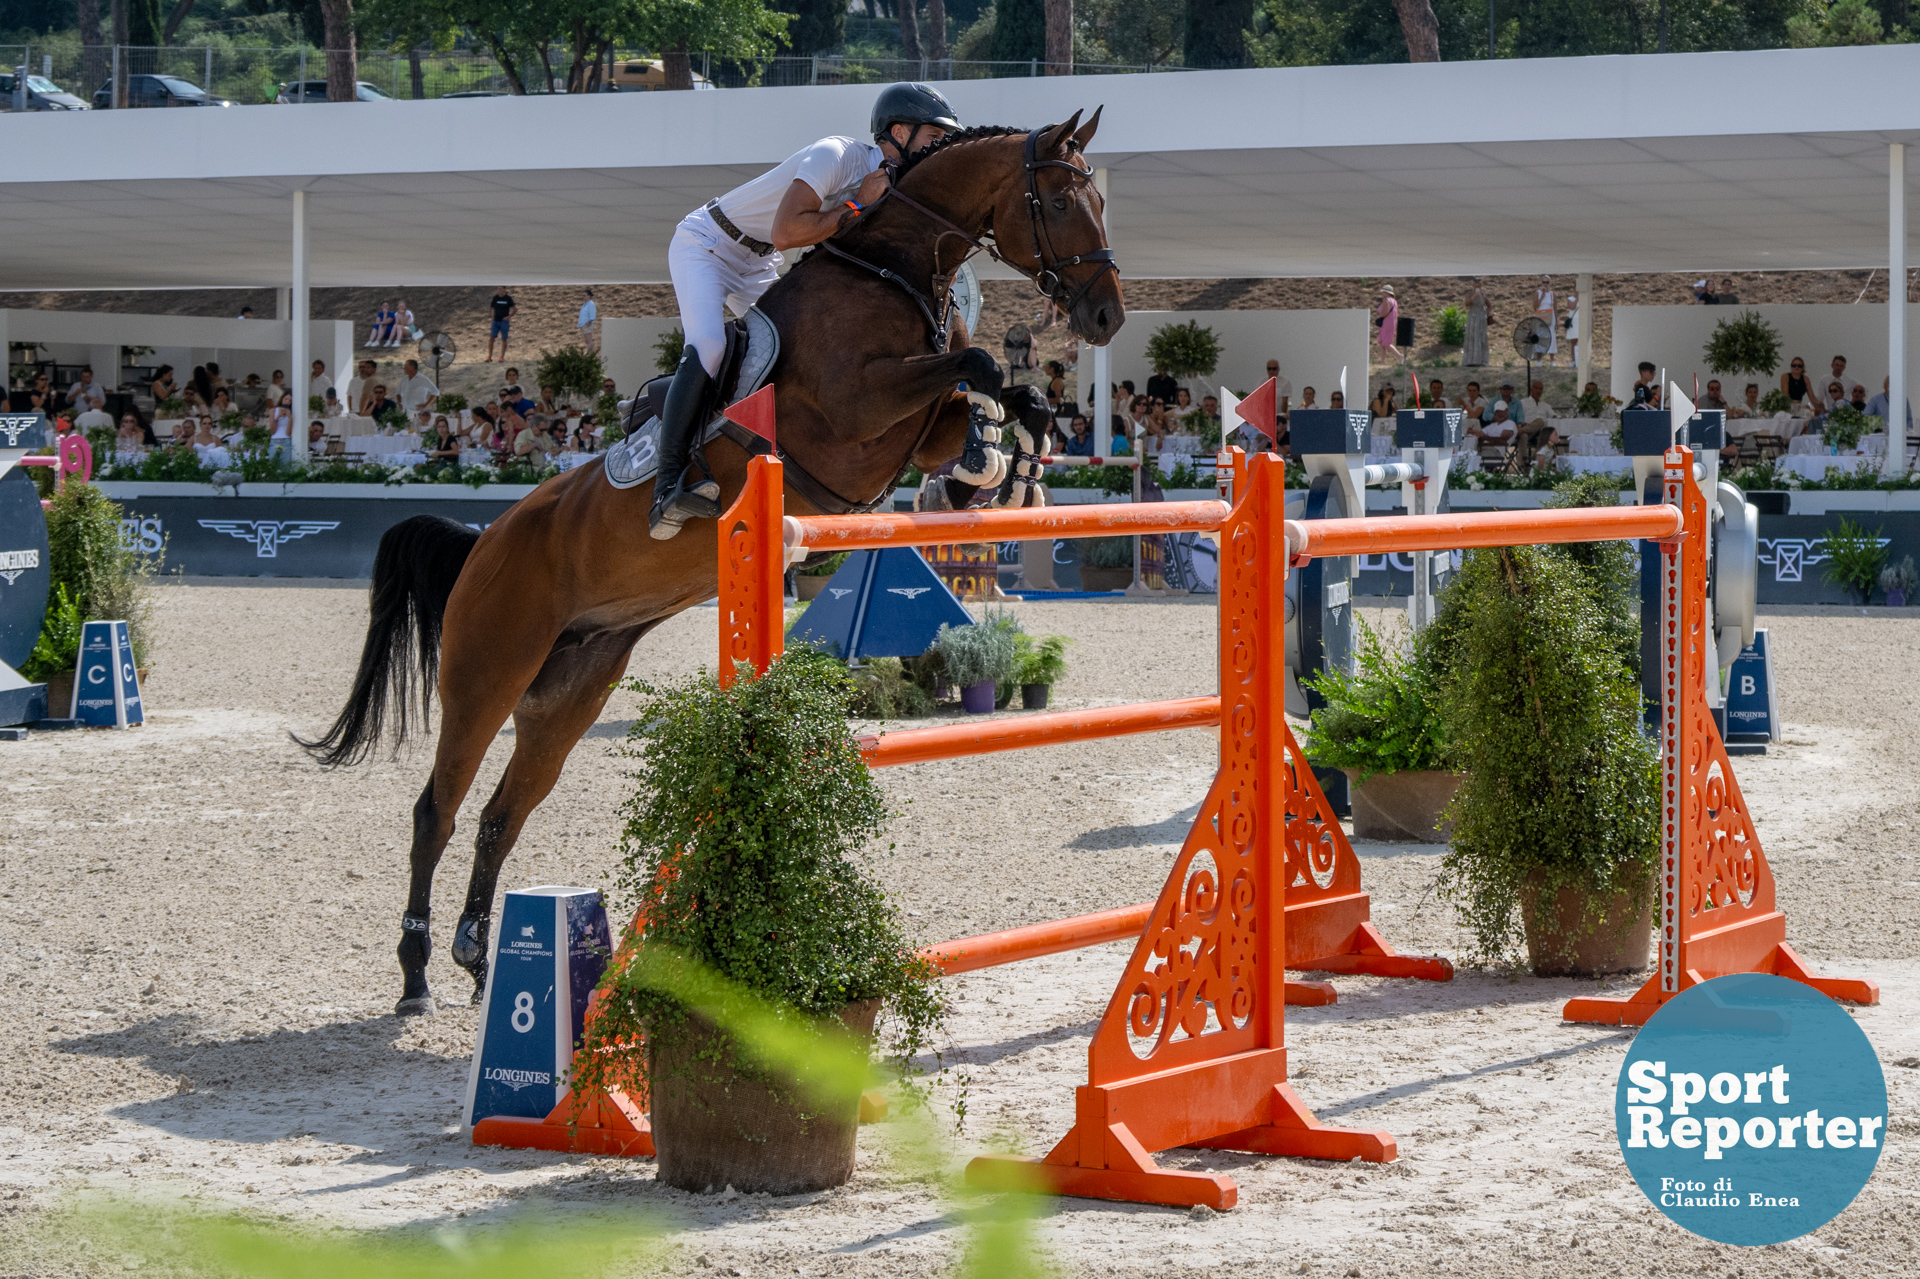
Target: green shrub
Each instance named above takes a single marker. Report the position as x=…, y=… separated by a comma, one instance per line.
x=1747, y=346
x=1184, y=350
x=1609, y=567
x=104, y=578
x=827, y=567
x=750, y=809
x=882, y=689
x=1900, y=577
x=1450, y=323
x=451, y=402
x=1382, y=718
x=572, y=370
x=975, y=654
x=1775, y=401
x=1107, y=552
x=1042, y=659
x=1846, y=426
x=1561, y=787
x=667, y=350
x=1590, y=404
x=58, y=648
x=1854, y=558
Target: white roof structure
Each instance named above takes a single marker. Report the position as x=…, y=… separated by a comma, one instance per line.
x=1686, y=162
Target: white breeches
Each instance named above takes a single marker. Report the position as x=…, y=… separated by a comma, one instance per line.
x=712, y=274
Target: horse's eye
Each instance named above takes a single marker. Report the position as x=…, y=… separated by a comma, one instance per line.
x=1060, y=203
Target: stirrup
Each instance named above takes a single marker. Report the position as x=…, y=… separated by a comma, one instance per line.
x=671, y=513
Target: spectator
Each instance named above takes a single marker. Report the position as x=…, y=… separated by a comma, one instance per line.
x=1137, y=415
x=1498, y=431
x=1534, y=406
x=535, y=437
x=330, y=405
x=1726, y=296
x=513, y=384
x=1182, y=403
x=246, y=313
x=1645, y=390
x=190, y=400
x=1793, y=383
x=1386, y=319
x=402, y=325
x=1713, y=399
x=1880, y=405
x=382, y=325
x=222, y=403
x=282, y=434
x=588, y=325
x=417, y=391
x=133, y=437
x=319, y=382
x=1840, y=376
x=1338, y=400
x=86, y=393
x=607, y=388
x=1859, y=397
x=545, y=404
x=1282, y=390
x=161, y=388
x=1570, y=324
x=1473, y=353
x=92, y=418
x=1836, y=396
x=1513, y=404
x=316, y=438
x=1473, y=404
x=1701, y=296
x=1751, y=406
x=183, y=433
x=502, y=325
x=1210, y=407
x=510, y=419
x=1017, y=345
x=1306, y=398
x=202, y=383
x=1079, y=437
x=1161, y=386
x=1543, y=310
x=213, y=375
x=211, y=449
x=359, y=384
x=442, y=445
x=511, y=395
x=1157, y=427
x=1073, y=352
x=1056, y=384
x=1436, y=395
x=485, y=431
x=378, y=405
x=1384, y=402
x=1122, y=445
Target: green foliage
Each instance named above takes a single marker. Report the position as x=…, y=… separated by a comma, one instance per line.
x=316, y=403
x=1900, y=577
x=1846, y=426
x=1042, y=659
x=104, y=578
x=1184, y=350
x=827, y=567
x=58, y=647
x=882, y=689
x=571, y=370
x=1107, y=552
x=451, y=402
x=1847, y=22
x=667, y=350
x=1019, y=30
x=1450, y=323
x=395, y=417
x=1561, y=787
x=1382, y=718
x=750, y=809
x=1854, y=558
x=976, y=654
x=1776, y=401
x=1609, y=567
x=171, y=407
x=1590, y=404
x=1746, y=346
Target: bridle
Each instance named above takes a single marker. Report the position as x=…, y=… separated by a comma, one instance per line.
x=1047, y=277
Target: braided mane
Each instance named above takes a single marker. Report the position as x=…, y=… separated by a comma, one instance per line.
x=977, y=133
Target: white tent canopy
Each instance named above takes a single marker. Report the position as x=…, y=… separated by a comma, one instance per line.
x=1688, y=162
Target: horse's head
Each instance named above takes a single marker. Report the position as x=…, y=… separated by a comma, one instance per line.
x=1051, y=223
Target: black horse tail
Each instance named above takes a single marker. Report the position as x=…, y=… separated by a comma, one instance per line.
x=413, y=574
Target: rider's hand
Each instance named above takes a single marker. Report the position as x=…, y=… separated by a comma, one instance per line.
x=872, y=187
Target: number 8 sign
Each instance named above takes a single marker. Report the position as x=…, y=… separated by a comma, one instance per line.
x=549, y=952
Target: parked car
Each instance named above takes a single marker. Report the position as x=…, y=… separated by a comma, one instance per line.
x=42, y=95
x=641, y=76
x=475, y=93
x=317, y=92
x=159, y=91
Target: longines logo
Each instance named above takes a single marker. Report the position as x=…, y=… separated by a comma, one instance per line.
x=14, y=563
x=267, y=535
x=1789, y=557
x=13, y=427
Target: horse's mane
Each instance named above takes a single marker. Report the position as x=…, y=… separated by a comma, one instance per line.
x=978, y=133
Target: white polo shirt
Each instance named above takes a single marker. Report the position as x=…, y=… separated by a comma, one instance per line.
x=833, y=167
x=94, y=394
x=415, y=391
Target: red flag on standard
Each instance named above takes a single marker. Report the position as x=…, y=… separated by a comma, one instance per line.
x=755, y=413
x=1257, y=409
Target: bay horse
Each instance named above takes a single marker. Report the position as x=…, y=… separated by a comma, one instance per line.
x=535, y=618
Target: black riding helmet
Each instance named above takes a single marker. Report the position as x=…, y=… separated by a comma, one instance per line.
x=911, y=103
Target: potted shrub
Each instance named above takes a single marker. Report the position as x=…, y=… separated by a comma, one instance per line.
x=1106, y=563
x=1555, y=834
x=976, y=660
x=1845, y=427
x=750, y=811
x=56, y=652
x=1748, y=346
x=1899, y=581
x=885, y=689
x=1042, y=661
x=1854, y=558
x=95, y=577
x=1381, y=725
x=808, y=582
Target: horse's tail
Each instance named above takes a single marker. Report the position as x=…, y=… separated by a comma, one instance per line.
x=413, y=574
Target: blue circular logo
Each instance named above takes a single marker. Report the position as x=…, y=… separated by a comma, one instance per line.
x=1751, y=1109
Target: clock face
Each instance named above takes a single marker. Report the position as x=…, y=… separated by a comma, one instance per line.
x=966, y=296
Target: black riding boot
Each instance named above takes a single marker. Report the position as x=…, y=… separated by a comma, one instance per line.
x=674, y=502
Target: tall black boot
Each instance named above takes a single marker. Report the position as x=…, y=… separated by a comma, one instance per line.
x=675, y=502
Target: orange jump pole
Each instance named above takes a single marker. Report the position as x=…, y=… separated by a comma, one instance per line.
x=934, y=528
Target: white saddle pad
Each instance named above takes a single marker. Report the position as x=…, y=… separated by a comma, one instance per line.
x=633, y=460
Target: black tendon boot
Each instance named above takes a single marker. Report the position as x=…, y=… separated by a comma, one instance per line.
x=674, y=502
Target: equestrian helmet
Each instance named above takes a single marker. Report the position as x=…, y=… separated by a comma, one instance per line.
x=911, y=103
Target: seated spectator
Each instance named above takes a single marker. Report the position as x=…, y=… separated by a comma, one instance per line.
x=535, y=437
x=208, y=444
x=1880, y=405
x=1750, y=407
x=251, y=383
x=1436, y=395
x=1210, y=409
x=1646, y=389
x=86, y=393
x=382, y=326
x=441, y=444
x=92, y=418
x=1512, y=402
x=1472, y=404
x=513, y=398
x=190, y=399
x=132, y=437
x=1157, y=426
x=1726, y=296
x=183, y=433
x=485, y=431
x=1306, y=398
x=1497, y=431
x=1712, y=399
x=1182, y=403
x=317, y=438
x=222, y=403
x=1338, y=400
x=1794, y=384
x=1384, y=402
x=1534, y=406
x=402, y=325
x=545, y=404
x=378, y=405
x=1122, y=445
x=513, y=384
x=330, y=405
x=213, y=375
x=1836, y=396
x=1079, y=437
x=1859, y=397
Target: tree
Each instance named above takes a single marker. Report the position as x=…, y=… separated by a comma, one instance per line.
x=937, y=30
x=822, y=24
x=1059, y=37
x=178, y=16
x=343, y=70
x=143, y=23
x=408, y=26
x=93, y=57
x=725, y=28
x=909, y=30
x=1019, y=31
x=1214, y=32
x=1421, y=28
x=1847, y=22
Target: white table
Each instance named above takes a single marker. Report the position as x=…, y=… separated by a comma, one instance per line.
x=1813, y=466
x=1615, y=465
x=386, y=446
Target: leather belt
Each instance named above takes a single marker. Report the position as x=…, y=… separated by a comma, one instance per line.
x=741, y=237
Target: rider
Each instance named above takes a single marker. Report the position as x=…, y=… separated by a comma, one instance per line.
x=728, y=253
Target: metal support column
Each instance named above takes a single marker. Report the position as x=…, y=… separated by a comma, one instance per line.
x=298, y=359
x=1583, y=333
x=1100, y=402
x=1896, y=308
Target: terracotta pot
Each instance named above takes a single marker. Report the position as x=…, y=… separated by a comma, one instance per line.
x=977, y=699
x=1402, y=806
x=806, y=587
x=1105, y=579
x=1560, y=945
x=713, y=1128
x=60, y=695
x=1033, y=697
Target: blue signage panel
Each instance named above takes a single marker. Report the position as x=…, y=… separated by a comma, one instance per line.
x=1753, y=707
x=106, y=688
x=551, y=947
x=879, y=604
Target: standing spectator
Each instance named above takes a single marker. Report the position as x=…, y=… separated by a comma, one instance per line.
x=282, y=436
x=1056, y=384
x=1018, y=347
x=588, y=325
x=319, y=382
x=213, y=375
x=1701, y=295
x=1473, y=352
x=1543, y=311
x=1161, y=386
x=1726, y=296
x=246, y=313
x=1840, y=376
x=1571, y=323
x=417, y=391
x=1646, y=392
x=502, y=325
x=359, y=385
x=1384, y=402
x=513, y=384
x=202, y=383
x=86, y=393
x=161, y=388
x=1386, y=318
x=1282, y=389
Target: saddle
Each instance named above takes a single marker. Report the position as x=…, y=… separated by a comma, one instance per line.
x=753, y=349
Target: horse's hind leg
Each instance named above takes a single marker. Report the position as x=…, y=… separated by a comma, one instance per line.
x=463, y=744
x=562, y=704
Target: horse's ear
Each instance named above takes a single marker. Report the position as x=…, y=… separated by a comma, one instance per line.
x=1085, y=133
x=1055, y=139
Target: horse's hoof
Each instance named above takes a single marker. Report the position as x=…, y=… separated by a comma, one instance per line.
x=418, y=1006
x=479, y=993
